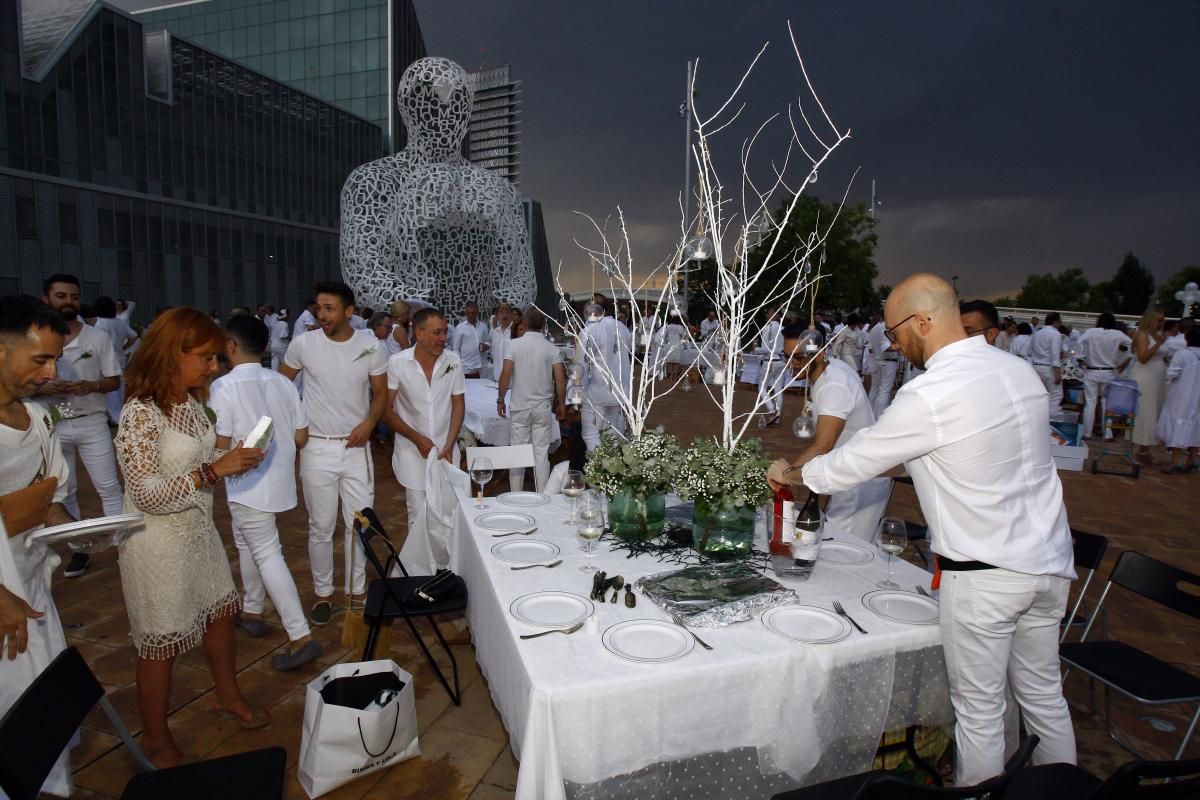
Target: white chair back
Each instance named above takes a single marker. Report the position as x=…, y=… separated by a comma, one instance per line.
x=513, y=456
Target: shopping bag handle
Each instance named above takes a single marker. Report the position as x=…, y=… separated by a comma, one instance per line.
x=361, y=738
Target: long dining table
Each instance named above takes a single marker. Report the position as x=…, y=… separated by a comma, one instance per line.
x=756, y=714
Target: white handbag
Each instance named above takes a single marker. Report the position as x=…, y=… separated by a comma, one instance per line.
x=358, y=719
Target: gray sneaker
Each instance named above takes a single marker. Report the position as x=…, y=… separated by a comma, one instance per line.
x=251, y=625
x=321, y=613
x=296, y=658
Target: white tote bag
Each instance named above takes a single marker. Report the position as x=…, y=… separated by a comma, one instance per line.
x=347, y=732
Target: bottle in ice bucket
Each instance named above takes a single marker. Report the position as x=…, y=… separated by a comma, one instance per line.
x=783, y=520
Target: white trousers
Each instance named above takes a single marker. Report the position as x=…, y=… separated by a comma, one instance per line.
x=596, y=419
x=1055, y=390
x=416, y=550
x=264, y=571
x=330, y=471
x=1000, y=630
x=1094, y=381
x=770, y=387
x=90, y=437
x=882, y=381
x=532, y=426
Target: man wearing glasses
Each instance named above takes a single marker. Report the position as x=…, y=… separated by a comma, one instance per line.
x=979, y=318
x=971, y=432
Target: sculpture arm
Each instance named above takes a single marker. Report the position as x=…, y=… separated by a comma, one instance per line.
x=368, y=250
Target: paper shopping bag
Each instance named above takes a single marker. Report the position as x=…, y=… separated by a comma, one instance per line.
x=358, y=719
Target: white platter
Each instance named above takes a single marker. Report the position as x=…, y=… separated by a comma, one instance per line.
x=505, y=521
x=551, y=609
x=86, y=527
x=806, y=624
x=897, y=606
x=525, y=551
x=523, y=499
x=647, y=641
x=844, y=553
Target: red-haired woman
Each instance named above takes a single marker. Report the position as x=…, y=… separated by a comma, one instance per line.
x=175, y=574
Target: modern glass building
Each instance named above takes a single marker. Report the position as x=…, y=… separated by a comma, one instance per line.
x=347, y=52
x=159, y=171
x=494, y=136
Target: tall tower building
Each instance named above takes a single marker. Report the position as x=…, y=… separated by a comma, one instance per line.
x=494, y=137
x=349, y=54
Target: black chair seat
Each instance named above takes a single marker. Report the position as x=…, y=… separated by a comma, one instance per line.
x=1132, y=671
x=1054, y=782
x=258, y=774
x=382, y=603
x=839, y=789
x=916, y=531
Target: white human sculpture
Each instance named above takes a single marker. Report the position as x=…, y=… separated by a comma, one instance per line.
x=425, y=223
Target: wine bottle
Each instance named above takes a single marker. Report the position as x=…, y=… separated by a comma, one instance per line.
x=783, y=522
x=808, y=520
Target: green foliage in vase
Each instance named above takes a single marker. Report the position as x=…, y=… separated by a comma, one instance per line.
x=728, y=478
x=647, y=464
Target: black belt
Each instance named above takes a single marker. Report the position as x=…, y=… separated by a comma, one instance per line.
x=1109, y=369
x=1039, y=364
x=950, y=565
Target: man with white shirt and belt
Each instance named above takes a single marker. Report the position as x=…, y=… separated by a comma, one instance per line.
x=604, y=341
x=425, y=407
x=885, y=363
x=470, y=339
x=539, y=386
x=1045, y=351
x=771, y=383
x=239, y=399
x=345, y=394
x=87, y=370
x=1105, y=353
x=972, y=433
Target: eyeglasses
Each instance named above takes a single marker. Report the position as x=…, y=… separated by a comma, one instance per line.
x=890, y=333
x=979, y=331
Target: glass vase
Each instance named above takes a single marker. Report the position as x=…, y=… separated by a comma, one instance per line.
x=721, y=532
x=635, y=516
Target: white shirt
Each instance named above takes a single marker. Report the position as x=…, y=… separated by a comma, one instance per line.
x=87, y=357
x=466, y=340
x=533, y=359
x=1020, y=345
x=500, y=339
x=127, y=314
x=424, y=405
x=118, y=331
x=239, y=398
x=1103, y=348
x=772, y=340
x=609, y=342
x=337, y=378
x=1002, y=340
x=269, y=320
x=708, y=326
x=879, y=344
x=972, y=433
x=302, y=324
x=839, y=393
x=279, y=337
x=1046, y=346
x=1174, y=344
x=358, y=323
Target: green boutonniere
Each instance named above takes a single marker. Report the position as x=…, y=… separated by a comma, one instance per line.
x=83, y=355
x=212, y=416
x=53, y=418
x=367, y=351
x=449, y=369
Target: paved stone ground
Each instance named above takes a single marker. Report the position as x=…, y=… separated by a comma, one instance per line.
x=465, y=749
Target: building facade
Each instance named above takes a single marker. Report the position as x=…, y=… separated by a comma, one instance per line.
x=494, y=136
x=159, y=171
x=350, y=53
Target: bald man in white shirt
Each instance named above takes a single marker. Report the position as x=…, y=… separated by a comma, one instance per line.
x=971, y=432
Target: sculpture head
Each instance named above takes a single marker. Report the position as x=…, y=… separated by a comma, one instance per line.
x=434, y=98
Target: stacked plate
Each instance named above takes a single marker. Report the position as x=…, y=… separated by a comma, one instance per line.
x=845, y=553
x=647, y=641
x=808, y=624
x=551, y=609
x=523, y=499
x=906, y=607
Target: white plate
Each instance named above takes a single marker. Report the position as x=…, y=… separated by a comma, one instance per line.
x=505, y=521
x=525, y=551
x=648, y=641
x=806, y=624
x=85, y=527
x=844, y=553
x=914, y=609
x=523, y=499
x=551, y=609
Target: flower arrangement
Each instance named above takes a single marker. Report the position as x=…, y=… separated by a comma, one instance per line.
x=647, y=464
x=717, y=477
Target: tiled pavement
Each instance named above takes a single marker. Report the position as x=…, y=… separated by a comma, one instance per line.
x=465, y=752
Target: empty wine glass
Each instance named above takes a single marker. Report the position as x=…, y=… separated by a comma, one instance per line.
x=481, y=473
x=572, y=487
x=893, y=538
x=589, y=525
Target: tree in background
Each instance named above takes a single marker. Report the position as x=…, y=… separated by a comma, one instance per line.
x=1132, y=287
x=1173, y=284
x=1066, y=291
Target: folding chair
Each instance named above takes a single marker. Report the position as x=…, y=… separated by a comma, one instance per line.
x=917, y=532
x=1133, y=672
x=1128, y=782
x=510, y=457
x=1089, y=552
x=40, y=724
x=396, y=598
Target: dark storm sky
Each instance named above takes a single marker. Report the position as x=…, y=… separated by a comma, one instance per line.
x=1006, y=137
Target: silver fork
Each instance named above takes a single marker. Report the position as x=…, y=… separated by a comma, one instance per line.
x=567, y=631
x=514, y=533
x=837, y=606
x=678, y=621
x=551, y=565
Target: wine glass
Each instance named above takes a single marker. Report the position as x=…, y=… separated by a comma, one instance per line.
x=481, y=473
x=893, y=538
x=590, y=525
x=65, y=373
x=572, y=487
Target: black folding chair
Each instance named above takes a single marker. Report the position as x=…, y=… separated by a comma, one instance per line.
x=391, y=598
x=40, y=724
x=1089, y=552
x=882, y=785
x=1133, y=672
x=917, y=532
x=1131, y=781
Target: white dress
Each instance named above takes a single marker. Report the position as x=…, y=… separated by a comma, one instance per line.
x=1150, y=379
x=1179, y=421
x=174, y=573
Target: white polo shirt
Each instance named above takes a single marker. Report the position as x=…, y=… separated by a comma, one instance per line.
x=87, y=357
x=337, y=378
x=1046, y=347
x=839, y=393
x=424, y=405
x=1102, y=348
x=533, y=359
x=239, y=398
x=465, y=340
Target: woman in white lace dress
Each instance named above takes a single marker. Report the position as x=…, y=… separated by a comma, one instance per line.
x=175, y=574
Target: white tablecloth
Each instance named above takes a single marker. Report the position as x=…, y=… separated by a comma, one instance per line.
x=482, y=420
x=757, y=714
